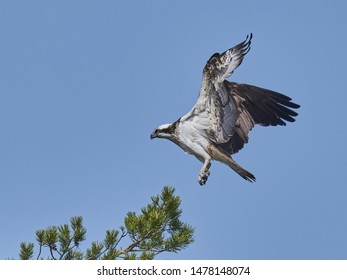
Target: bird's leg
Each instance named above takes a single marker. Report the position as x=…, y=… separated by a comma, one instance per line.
x=204, y=172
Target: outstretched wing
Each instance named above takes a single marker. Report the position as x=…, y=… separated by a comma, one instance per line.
x=254, y=105
x=227, y=111
x=221, y=66
x=217, y=69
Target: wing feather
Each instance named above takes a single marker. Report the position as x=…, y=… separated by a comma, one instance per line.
x=228, y=111
x=221, y=66
x=256, y=106
x=217, y=69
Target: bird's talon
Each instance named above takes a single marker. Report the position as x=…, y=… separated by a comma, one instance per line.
x=202, y=182
x=203, y=178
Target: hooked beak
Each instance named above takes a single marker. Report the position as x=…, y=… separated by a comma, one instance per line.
x=153, y=135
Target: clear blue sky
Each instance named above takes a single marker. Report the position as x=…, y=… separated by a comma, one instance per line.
x=84, y=83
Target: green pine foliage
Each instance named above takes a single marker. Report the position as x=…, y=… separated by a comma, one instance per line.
x=158, y=228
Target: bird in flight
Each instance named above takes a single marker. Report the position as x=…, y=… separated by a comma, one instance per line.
x=224, y=113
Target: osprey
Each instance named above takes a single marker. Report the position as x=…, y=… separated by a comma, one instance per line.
x=224, y=113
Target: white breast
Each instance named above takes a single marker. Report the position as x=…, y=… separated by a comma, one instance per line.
x=192, y=137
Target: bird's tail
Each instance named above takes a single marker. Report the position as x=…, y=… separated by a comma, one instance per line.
x=241, y=171
x=220, y=155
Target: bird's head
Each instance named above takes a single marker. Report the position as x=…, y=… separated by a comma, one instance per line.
x=163, y=131
x=167, y=131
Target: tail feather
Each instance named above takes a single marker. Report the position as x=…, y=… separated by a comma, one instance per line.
x=241, y=171
x=218, y=154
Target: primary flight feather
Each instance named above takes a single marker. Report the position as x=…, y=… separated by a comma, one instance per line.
x=218, y=124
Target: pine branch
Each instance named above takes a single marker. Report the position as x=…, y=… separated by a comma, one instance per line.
x=155, y=230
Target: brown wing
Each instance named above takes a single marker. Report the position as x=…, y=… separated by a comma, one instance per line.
x=221, y=66
x=256, y=106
